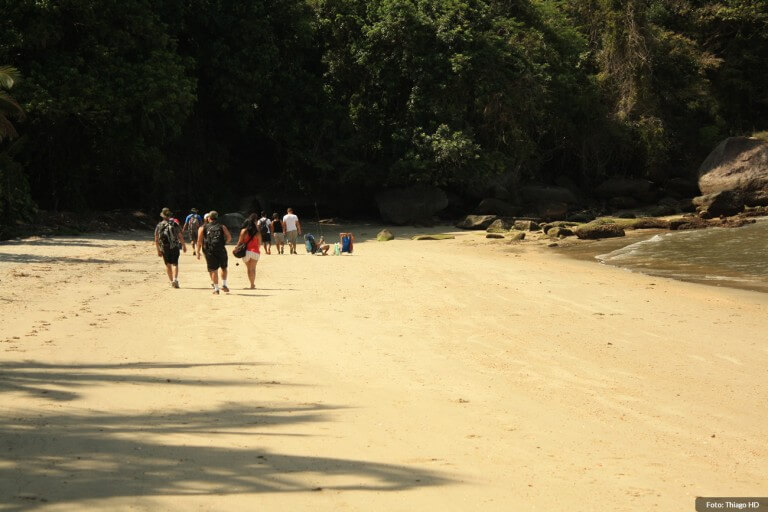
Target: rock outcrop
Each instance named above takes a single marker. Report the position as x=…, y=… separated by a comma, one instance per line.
x=385, y=235
x=476, y=222
x=234, y=222
x=595, y=230
x=498, y=226
x=526, y=225
x=725, y=202
x=738, y=164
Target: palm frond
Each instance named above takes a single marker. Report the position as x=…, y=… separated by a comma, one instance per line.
x=9, y=75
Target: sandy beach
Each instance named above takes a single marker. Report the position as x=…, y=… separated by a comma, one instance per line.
x=449, y=375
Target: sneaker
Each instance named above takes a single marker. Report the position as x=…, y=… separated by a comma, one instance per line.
x=215, y=292
x=225, y=289
x=175, y=284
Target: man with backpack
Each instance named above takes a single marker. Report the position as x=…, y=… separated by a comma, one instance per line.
x=211, y=240
x=191, y=226
x=168, y=241
x=266, y=233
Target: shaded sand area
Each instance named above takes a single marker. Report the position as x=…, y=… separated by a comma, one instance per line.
x=446, y=375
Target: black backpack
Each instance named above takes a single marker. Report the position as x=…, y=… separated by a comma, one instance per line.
x=264, y=228
x=169, y=235
x=213, y=239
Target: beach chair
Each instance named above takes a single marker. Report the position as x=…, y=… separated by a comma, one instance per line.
x=347, y=242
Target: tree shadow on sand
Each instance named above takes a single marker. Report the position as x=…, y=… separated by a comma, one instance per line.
x=75, y=455
x=68, y=458
x=60, y=382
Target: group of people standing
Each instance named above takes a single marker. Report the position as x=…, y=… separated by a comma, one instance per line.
x=209, y=237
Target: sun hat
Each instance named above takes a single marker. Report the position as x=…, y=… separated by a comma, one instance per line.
x=165, y=213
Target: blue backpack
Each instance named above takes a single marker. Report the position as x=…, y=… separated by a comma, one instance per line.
x=309, y=242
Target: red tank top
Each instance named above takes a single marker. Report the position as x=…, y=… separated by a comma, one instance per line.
x=253, y=243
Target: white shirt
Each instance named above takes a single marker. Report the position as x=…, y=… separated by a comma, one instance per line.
x=264, y=222
x=290, y=222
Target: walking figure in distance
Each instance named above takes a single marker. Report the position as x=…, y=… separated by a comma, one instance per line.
x=212, y=239
x=278, y=232
x=264, y=228
x=168, y=241
x=292, y=229
x=191, y=226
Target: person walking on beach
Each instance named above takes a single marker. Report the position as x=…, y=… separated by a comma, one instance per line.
x=212, y=239
x=292, y=229
x=264, y=228
x=168, y=241
x=251, y=236
x=278, y=233
x=191, y=226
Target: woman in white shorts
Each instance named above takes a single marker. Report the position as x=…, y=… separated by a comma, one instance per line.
x=251, y=236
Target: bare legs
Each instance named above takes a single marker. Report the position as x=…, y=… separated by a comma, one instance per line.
x=250, y=266
x=215, y=280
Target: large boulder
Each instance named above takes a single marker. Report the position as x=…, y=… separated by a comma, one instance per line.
x=739, y=164
x=595, y=230
x=490, y=206
x=499, y=226
x=526, y=225
x=687, y=223
x=233, y=221
x=559, y=232
x=476, y=222
x=641, y=190
x=412, y=205
x=725, y=202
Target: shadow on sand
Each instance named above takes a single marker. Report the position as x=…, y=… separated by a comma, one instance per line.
x=74, y=455
x=37, y=258
x=59, y=382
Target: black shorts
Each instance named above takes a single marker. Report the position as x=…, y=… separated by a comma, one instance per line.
x=171, y=256
x=216, y=259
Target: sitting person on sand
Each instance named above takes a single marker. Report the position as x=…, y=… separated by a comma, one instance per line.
x=322, y=247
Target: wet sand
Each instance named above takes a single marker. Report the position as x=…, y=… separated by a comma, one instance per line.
x=461, y=374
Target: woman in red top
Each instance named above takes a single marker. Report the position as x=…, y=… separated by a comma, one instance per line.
x=251, y=236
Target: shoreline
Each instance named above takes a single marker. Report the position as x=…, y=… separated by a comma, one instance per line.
x=589, y=251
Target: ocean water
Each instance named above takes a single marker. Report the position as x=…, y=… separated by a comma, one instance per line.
x=736, y=257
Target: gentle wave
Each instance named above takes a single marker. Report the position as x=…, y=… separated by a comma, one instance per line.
x=723, y=256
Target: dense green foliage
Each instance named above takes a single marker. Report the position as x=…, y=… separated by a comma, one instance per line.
x=143, y=102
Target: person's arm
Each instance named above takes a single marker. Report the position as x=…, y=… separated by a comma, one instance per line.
x=200, y=237
x=282, y=223
x=181, y=239
x=227, y=234
x=157, y=244
x=298, y=225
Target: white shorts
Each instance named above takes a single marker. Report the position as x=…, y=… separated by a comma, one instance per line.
x=251, y=256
